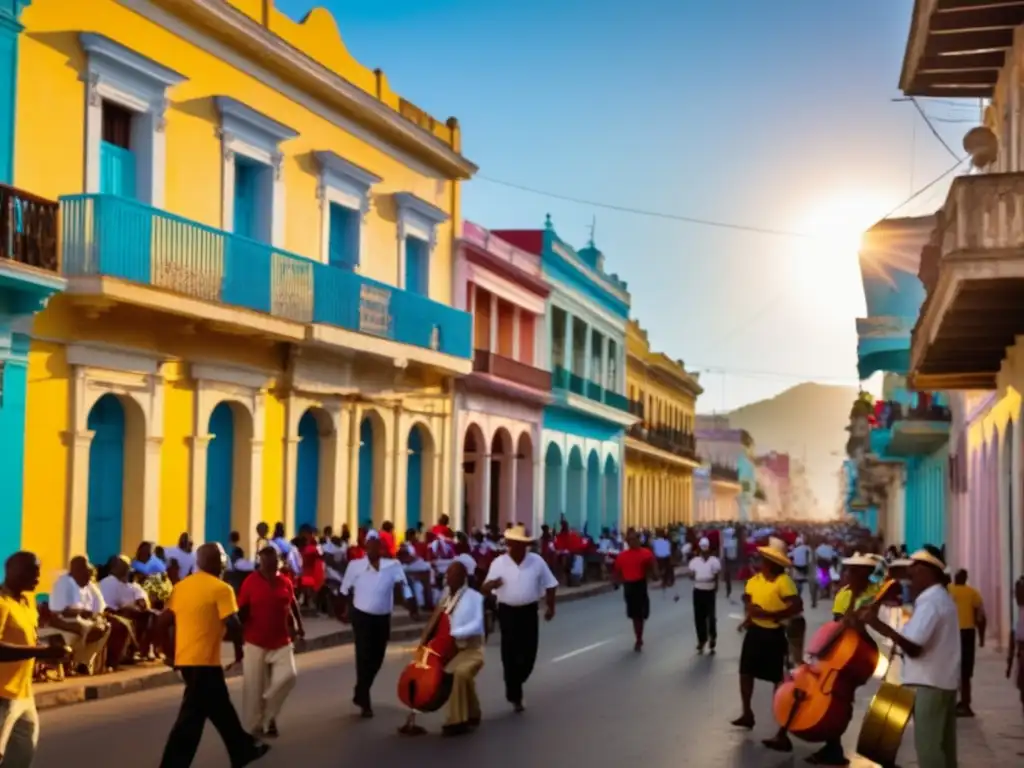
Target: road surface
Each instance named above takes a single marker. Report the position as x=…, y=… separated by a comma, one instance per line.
x=591, y=701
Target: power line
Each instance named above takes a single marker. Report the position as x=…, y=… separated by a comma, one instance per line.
x=932, y=128
x=647, y=212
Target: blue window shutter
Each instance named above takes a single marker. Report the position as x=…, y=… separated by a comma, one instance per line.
x=245, y=199
x=343, y=243
x=416, y=267
x=117, y=170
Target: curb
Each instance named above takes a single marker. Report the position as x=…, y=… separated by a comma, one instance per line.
x=96, y=690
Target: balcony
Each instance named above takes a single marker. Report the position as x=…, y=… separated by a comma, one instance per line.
x=679, y=444
x=973, y=271
x=114, y=248
x=28, y=253
x=910, y=430
x=723, y=474
x=485, y=361
x=586, y=395
x=28, y=229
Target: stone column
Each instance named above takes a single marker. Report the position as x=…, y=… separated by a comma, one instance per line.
x=197, y=511
x=151, y=489
x=76, y=537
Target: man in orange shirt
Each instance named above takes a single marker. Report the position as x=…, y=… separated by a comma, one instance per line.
x=202, y=608
x=632, y=569
x=971, y=613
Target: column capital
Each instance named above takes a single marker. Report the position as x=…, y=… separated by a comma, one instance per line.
x=200, y=441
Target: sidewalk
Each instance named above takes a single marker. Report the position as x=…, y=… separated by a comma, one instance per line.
x=321, y=633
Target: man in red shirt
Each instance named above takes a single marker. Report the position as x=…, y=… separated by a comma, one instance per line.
x=387, y=539
x=632, y=569
x=441, y=530
x=269, y=613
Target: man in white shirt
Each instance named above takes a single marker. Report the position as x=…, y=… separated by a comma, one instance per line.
x=704, y=570
x=801, y=557
x=369, y=586
x=183, y=555
x=662, y=549
x=518, y=579
x=78, y=616
x=930, y=644
x=128, y=611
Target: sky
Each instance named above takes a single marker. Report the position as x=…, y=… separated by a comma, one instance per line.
x=772, y=115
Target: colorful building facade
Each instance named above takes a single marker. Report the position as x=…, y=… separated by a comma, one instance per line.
x=258, y=242
x=29, y=276
x=909, y=437
x=730, y=452
x=582, y=438
x=661, y=449
x=966, y=339
x=499, y=407
x=716, y=492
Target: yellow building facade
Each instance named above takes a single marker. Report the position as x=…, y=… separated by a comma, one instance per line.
x=257, y=234
x=661, y=450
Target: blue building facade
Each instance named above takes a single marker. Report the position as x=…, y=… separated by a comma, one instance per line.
x=906, y=466
x=28, y=277
x=582, y=443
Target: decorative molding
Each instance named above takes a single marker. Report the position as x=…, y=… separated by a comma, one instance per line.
x=125, y=70
x=98, y=356
x=245, y=123
x=417, y=217
x=338, y=173
x=247, y=378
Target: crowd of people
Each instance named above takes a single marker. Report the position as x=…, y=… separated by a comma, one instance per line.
x=179, y=603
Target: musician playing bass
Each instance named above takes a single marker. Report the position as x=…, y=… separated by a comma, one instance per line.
x=930, y=643
x=858, y=591
x=465, y=608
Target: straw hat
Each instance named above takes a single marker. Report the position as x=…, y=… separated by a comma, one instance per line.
x=926, y=557
x=866, y=561
x=776, y=552
x=903, y=562
x=518, y=533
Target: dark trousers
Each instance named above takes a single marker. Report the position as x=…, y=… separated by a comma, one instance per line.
x=704, y=616
x=371, y=633
x=520, y=636
x=206, y=698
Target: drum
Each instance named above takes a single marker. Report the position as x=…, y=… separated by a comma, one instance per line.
x=884, y=723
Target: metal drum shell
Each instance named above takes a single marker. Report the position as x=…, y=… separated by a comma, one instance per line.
x=887, y=717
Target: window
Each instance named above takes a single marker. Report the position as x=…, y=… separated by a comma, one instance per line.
x=252, y=170
x=417, y=236
x=344, y=194
x=125, y=115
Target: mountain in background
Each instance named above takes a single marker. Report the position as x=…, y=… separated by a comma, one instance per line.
x=809, y=423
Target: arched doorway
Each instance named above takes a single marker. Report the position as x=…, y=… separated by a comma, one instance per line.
x=575, y=490
x=220, y=472
x=593, y=520
x=105, y=515
x=499, y=498
x=419, y=475
x=523, y=512
x=372, y=443
x=474, y=449
x=553, y=480
x=310, y=466
x=611, y=494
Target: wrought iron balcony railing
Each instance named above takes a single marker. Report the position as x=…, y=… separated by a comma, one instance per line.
x=485, y=361
x=28, y=229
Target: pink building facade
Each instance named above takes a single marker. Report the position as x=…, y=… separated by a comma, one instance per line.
x=499, y=406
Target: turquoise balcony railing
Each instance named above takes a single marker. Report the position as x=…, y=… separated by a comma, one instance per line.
x=116, y=237
x=563, y=379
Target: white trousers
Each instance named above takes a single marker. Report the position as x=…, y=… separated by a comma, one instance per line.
x=267, y=679
x=19, y=732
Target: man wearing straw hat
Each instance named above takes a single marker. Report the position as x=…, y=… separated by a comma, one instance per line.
x=771, y=598
x=519, y=579
x=930, y=644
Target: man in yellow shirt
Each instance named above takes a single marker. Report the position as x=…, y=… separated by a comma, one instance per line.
x=971, y=612
x=19, y=620
x=203, y=610
x=771, y=598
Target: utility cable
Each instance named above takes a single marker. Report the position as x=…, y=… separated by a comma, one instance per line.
x=932, y=128
x=647, y=212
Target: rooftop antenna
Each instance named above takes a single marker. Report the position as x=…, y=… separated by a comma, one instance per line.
x=593, y=229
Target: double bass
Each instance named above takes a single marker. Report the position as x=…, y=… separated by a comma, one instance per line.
x=816, y=704
x=424, y=686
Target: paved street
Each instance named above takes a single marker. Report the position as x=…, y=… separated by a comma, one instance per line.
x=591, y=701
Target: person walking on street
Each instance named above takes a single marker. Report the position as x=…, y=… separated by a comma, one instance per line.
x=518, y=579
x=270, y=615
x=19, y=649
x=704, y=570
x=200, y=612
x=930, y=644
x=801, y=557
x=970, y=611
x=369, y=590
x=633, y=568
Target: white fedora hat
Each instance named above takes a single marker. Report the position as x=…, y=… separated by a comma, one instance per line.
x=518, y=533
